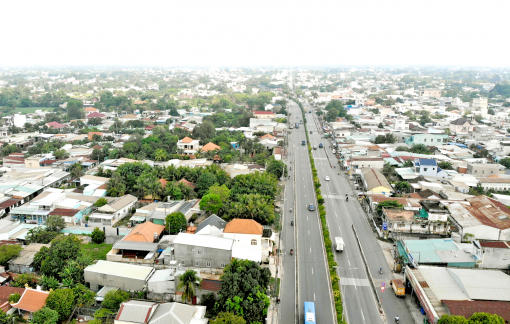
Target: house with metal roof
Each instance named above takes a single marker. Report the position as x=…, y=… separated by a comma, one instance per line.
x=23, y=263
x=124, y=276
x=203, y=251
x=112, y=212
x=429, y=168
x=374, y=182
x=212, y=225
x=433, y=285
x=145, y=312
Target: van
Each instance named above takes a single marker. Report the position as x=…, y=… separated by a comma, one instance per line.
x=339, y=244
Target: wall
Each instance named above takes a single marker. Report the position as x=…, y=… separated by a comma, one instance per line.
x=244, y=239
x=97, y=279
x=482, y=232
x=190, y=254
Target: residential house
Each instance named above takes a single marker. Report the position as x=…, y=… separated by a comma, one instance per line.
x=374, y=182
x=483, y=219
x=429, y=168
x=91, y=135
x=31, y=301
x=210, y=147
x=202, y=251
x=483, y=170
x=436, y=93
x=277, y=153
x=112, y=212
x=427, y=139
x=124, y=276
x=212, y=225
x=139, y=246
x=461, y=125
x=23, y=263
x=188, y=146
x=55, y=125
x=147, y=312
x=5, y=293
x=249, y=241
x=495, y=183
x=264, y=114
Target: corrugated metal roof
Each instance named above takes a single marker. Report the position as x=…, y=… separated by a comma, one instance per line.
x=204, y=241
x=483, y=284
x=443, y=285
x=120, y=269
x=136, y=311
x=176, y=313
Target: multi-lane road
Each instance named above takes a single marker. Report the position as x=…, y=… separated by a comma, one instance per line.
x=305, y=275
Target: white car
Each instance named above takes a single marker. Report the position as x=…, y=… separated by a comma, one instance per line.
x=327, y=178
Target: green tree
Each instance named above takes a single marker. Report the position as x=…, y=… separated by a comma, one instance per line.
x=62, y=301
x=228, y=318
x=8, y=252
x=247, y=299
x=61, y=154
x=332, y=114
x=55, y=223
x=387, y=204
x=276, y=168
x=189, y=281
x=505, y=162
x=48, y=283
x=205, y=181
x=45, y=315
x=14, y=298
x=445, y=165
x=491, y=111
x=388, y=170
x=175, y=223
x=221, y=191
x=478, y=118
x=116, y=187
x=204, y=132
x=452, y=319
x=403, y=187
x=381, y=125
x=408, y=164
x=209, y=301
x=98, y=236
x=101, y=202
x=160, y=155
x=419, y=149
x=485, y=318
x=75, y=109
x=113, y=299
x=62, y=249
x=83, y=296
x=29, y=279
x=211, y=203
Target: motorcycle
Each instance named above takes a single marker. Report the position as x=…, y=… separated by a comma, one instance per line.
x=380, y=270
x=291, y=251
x=291, y=223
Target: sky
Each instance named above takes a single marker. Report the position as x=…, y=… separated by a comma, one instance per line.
x=255, y=33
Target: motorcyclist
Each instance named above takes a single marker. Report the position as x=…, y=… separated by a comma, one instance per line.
x=291, y=223
x=396, y=319
x=380, y=270
x=291, y=251
x=291, y=209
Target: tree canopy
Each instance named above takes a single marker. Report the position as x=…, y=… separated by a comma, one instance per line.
x=175, y=223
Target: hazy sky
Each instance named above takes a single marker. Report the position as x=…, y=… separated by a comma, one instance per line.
x=253, y=33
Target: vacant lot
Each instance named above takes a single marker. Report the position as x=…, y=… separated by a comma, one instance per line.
x=96, y=251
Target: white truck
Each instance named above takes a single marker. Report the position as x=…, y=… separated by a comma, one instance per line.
x=339, y=244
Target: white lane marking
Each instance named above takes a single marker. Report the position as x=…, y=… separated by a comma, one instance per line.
x=305, y=195
x=313, y=296
x=308, y=232
x=312, y=270
x=362, y=315
x=310, y=249
x=306, y=217
x=349, y=262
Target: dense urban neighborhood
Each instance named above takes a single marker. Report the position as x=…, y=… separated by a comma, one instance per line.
x=254, y=195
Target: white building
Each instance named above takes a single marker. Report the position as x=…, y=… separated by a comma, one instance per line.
x=188, y=145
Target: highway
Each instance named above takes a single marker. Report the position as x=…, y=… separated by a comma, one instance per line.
x=305, y=275
x=360, y=305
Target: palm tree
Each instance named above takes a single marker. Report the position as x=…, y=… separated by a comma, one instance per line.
x=189, y=280
x=160, y=155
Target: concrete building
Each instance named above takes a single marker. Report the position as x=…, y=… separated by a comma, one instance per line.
x=374, y=182
x=202, y=251
x=483, y=170
x=429, y=168
x=127, y=277
x=212, y=225
x=23, y=263
x=436, y=93
x=461, y=126
x=427, y=139
x=188, y=146
x=497, y=184
x=249, y=241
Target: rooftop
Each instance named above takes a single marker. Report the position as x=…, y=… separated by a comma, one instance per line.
x=120, y=269
x=144, y=232
x=243, y=226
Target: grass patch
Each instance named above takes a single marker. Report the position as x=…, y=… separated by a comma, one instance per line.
x=26, y=110
x=96, y=251
x=275, y=292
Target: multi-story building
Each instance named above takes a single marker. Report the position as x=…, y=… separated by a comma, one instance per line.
x=427, y=139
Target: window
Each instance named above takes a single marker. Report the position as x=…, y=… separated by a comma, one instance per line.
x=253, y=242
x=183, y=262
x=222, y=265
x=425, y=140
x=208, y=264
x=199, y=252
x=425, y=169
x=197, y=263
x=433, y=169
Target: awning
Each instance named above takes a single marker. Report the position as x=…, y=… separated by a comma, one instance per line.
x=138, y=218
x=136, y=246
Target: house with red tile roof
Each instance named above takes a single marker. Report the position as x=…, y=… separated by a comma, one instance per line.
x=55, y=125
x=210, y=147
x=90, y=109
x=31, y=301
x=186, y=183
x=264, y=114
x=249, y=241
x=95, y=115
x=5, y=292
x=188, y=146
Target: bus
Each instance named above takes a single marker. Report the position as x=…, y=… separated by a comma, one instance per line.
x=310, y=313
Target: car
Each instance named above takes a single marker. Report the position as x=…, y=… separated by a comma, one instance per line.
x=311, y=207
x=315, y=147
x=326, y=178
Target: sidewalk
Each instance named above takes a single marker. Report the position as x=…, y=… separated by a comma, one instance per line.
x=414, y=310
x=274, y=265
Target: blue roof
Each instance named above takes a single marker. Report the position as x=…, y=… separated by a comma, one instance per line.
x=457, y=144
x=428, y=162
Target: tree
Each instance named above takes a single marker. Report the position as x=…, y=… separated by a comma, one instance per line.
x=388, y=170
x=505, y=162
x=276, y=168
x=387, y=204
x=486, y=318
x=76, y=170
x=61, y=154
x=55, y=223
x=408, y=164
x=204, y=132
x=29, y=279
x=83, y=296
x=96, y=137
x=116, y=187
x=40, y=235
x=491, y=111
x=62, y=249
x=332, y=115
x=75, y=109
x=114, y=298
x=222, y=191
x=98, y=236
x=8, y=252
x=160, y=155
x=189, y=280
x=243, y=290
x=228, y=318
x=445, y=165
x=211, y=203
x=175, y=223
x=101, y=202
x=209, y=301
x=45, y=315
x=478, y=118
x=94, y=121
x=62, y=301
x=14, y=298
x=403, y=187
x=381, y=125
x=48, y=283
x=205, y=181
x=419, y=149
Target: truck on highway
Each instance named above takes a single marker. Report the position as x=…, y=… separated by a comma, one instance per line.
x=320, y=145
x=339, y=244
x=398, y=288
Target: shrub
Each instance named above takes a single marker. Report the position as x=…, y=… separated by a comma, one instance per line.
x=98, y=236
